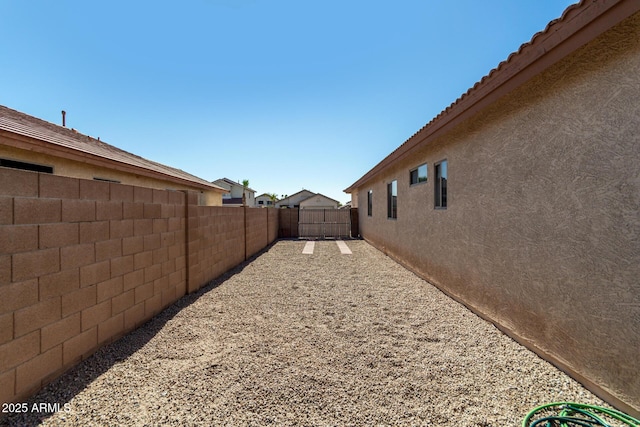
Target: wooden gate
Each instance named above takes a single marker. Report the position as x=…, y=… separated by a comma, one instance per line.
x=324, y=223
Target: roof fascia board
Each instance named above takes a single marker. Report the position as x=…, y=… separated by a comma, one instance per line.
x=234, y=183
x=32, y=144
x=578, y=26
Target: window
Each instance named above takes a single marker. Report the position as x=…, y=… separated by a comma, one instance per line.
x=418, y=175
x=370, y=203
x=392, y=199
x=25, y=166
x=441, y=185
x=95, y=178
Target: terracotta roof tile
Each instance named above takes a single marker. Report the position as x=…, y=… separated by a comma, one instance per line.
x=573, y=20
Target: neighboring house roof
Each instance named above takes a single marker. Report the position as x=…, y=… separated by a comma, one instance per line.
x=305, y=197
x=222, y=184
x=319, y=196
x=54, y=140
x=267, y=197
x=228, y=183
x=264, y=200
x=286, y=199
x=579, y=24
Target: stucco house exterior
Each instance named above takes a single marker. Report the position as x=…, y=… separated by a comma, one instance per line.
x=233, y=194
x=319, y=201
x=306, y=199
x=521, y=200
x=294, y=200
x=264, y=201
x=30, y=143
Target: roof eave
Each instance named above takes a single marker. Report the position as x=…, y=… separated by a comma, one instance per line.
x=33, y=144
x=579, y=24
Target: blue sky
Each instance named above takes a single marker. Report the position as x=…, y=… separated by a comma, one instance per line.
x=287, y=94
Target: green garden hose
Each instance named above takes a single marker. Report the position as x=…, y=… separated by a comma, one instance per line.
x=569, y=414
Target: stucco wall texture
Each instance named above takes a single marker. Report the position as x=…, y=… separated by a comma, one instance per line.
x=542, y=229
x=71, y=168
x=83, y=262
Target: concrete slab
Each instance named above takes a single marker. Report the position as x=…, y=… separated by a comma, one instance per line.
x=308, y=248
x=344, y=249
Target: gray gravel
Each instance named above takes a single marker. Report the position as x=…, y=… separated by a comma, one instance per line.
x=319, y=340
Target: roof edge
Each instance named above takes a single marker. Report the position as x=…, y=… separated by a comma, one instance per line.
x=560, y=38
x=32, y=133
x=81, y=156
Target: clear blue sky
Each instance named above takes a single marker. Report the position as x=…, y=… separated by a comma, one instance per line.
x=288, y=94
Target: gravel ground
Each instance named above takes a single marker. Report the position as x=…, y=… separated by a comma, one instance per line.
x=316, y=340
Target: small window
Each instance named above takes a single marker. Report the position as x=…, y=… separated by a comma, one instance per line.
x=392, y=199
x=15, y=164
x=95, y=178
x=370, y=203
x=441, y=185
x=418, y=175
x=260, y=202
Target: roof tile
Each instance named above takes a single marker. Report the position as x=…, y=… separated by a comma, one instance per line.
x=22, y=124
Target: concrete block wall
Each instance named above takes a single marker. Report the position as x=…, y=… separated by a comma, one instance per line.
x=83, y=262
x=222, y=237
x=257, y=230
x=273, y=224
x=216, y=243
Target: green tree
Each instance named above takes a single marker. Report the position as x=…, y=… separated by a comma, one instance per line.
x=245, y=184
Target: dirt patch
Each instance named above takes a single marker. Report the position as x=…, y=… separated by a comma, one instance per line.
x=321, y=339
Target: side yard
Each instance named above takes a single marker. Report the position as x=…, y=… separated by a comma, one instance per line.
x=327, y=338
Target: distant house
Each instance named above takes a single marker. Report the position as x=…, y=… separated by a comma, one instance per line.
x=306, y=199
x=264, y=201
x=294, y=200
x=33, y=144
x=233, y=194
x=319, y=201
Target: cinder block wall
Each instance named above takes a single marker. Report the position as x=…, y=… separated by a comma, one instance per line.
x=83, y=262
x=216, y=243
x=273, y=224
x=257, y=230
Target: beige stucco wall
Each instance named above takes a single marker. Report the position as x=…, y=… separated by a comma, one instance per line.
x=318, y=202
x=75, y=169
x=542, y=229
x=354, y=199
x=295, y=199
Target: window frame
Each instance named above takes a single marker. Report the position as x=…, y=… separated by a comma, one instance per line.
x=392, y=199
x=370, y=203
x=25, y=166
x=417, y=174
x=114, y=181
x=440, y=195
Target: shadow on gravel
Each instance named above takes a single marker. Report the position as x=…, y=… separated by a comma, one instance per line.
x=64, y=388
